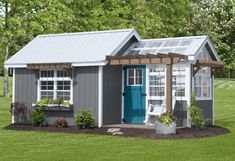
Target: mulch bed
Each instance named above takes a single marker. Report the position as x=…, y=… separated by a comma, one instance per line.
x=183, y=133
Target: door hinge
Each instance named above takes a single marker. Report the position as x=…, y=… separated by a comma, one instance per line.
x=144, y=94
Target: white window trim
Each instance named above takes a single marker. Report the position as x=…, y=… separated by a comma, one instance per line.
x=163, y=73
x=210, y=86
x=55, y=79
x=135, y=85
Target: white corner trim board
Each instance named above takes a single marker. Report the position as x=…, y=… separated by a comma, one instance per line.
x=123, y=75
x=100, y=96
x=13, y=94
x=213, y=103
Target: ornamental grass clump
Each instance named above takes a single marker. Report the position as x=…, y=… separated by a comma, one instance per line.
x=85, y=120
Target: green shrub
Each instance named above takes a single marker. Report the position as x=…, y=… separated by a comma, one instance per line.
x=85, y=120
x=37, y=118
x=196, y=117
x=166, y=118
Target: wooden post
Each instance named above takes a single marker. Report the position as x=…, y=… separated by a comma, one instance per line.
x=169, y=88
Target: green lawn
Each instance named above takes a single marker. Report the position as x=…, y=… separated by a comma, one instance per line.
x=44, y=146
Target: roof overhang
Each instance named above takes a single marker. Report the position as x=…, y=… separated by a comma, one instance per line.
x=159, y=58
x=57, y=65
x=207, y=63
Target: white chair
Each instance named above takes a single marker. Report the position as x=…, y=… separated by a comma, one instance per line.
x=157, y=110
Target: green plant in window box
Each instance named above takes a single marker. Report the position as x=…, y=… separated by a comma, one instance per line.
x=50, y=102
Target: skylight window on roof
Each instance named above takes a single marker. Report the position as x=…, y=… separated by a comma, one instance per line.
x=148, y=51
x=141, y=44
x=170, y=43
x=154, y=44
x=180, y=50
x=133, y=52
x=165, y=50
x=185, y=42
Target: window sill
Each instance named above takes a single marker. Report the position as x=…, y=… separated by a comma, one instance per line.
x=56, y=107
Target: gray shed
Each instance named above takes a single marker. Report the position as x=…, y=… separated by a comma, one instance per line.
x=115, y=74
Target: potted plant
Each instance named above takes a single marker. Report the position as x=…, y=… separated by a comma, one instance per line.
x=165, y=124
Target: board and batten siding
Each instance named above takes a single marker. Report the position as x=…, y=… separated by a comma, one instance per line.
x=25, y=87
x=85, y=90
x=112, y=94
x=207, y=109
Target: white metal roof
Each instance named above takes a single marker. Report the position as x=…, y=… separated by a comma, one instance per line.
x=82, y=48
x=188, y=46
x=90, y=48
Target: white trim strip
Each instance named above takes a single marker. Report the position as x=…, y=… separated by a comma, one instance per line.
x=188, y=90
x=123, y=82
x=13, y=94
x=213, y=98
x=100, y=63
x=100, y=97
x=15, y=65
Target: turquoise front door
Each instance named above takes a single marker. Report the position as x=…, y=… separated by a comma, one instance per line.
x=134, y=94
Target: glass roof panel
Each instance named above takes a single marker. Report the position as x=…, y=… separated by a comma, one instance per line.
x=148, y=51
x=185, y=42
x=171, y=43
x=180, y=50
x=154, y=44
x=141, y=44
x=165, y=50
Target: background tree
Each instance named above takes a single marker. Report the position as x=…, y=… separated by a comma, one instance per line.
x=22, y=20
x=217, y=20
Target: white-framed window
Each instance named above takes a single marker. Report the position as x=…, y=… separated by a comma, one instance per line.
x=134, y=77
x=54, y=84
x=178, y=81
x=157, y=81
x=202, y=84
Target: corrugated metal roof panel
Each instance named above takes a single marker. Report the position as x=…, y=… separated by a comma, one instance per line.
x=72, y=47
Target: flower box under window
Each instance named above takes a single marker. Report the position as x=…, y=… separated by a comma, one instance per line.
x=56, y=107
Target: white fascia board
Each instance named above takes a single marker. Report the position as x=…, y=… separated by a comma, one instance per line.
x=213, y=49
x=100, y=63
x=15, y=65
x=133, y=33
x=207, y=40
